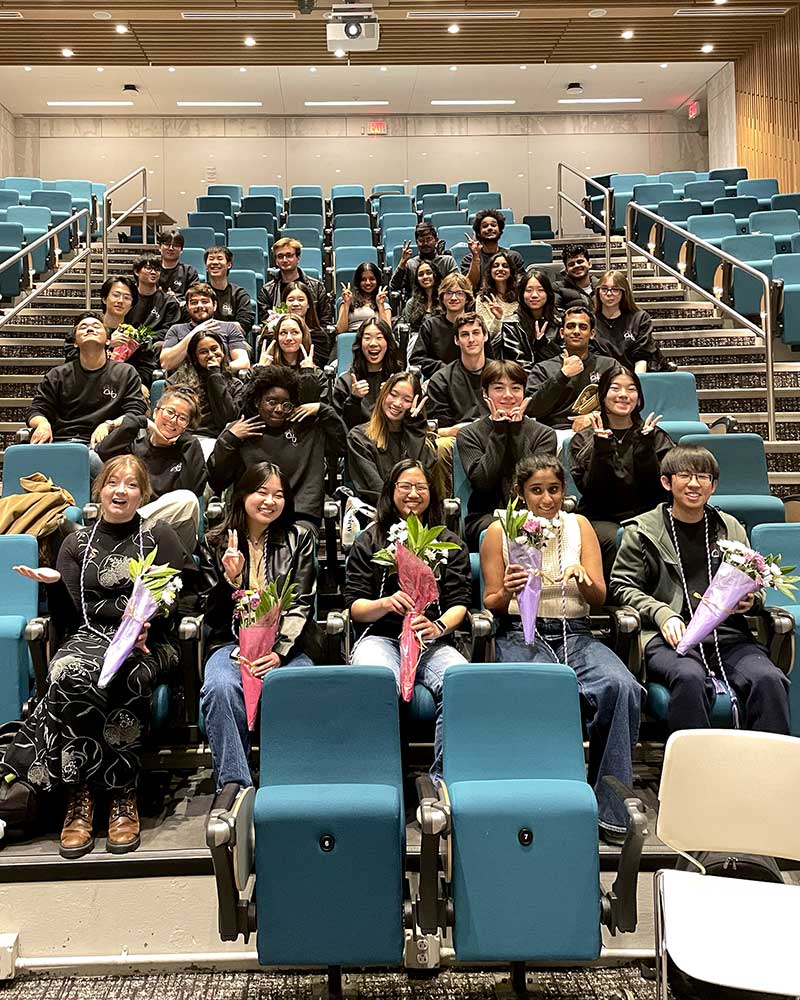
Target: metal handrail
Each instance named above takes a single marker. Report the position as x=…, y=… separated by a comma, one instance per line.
x=764, y=331
x=605, y=224
x=109, y=224
x=45, y=238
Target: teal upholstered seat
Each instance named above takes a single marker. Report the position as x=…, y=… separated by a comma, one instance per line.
x=673, y=394
x=20, y=603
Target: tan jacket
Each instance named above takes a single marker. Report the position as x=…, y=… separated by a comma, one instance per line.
x=37, y=510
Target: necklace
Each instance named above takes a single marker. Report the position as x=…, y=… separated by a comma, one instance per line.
x=720, y=685
x=82, y=583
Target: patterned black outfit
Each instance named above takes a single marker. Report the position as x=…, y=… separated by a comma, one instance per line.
x=79, y=734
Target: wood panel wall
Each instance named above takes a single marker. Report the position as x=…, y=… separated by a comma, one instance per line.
x=768, y=105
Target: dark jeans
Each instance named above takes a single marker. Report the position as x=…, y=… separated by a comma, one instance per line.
x=761, y=689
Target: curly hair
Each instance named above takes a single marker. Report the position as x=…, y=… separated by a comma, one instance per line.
x=264, y=378
x=489, y=285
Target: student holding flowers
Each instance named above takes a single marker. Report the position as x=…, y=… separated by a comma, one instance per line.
x=666, y=561
x=570, y=581
x=258, y=544
x=379, y=606
x=82, y=737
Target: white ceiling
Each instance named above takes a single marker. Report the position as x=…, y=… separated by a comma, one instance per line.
x=408, y=89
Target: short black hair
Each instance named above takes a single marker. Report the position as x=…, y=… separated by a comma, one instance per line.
x=586, y=310
x=147, y=258
x=119, y=279
x=489, y=213
x=172, y=236
x=422, y=228
x=86, y=314
x=215, y=249
x=689, y=458
x=572, y=250
x=265, y=378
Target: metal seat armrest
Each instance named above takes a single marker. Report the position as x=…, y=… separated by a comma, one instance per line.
x=214, y=512
x=451, y=507
x=777, y=625
x=731, y=424
x=91, y=512
x=331, y=520
x=230, y=838
x=337, y=636
x=23, y=435
x=570, y=504
x=431, y=909
x=626, y=637
x=619, y=904
x=39, y=636
x=481, y=628
x=190, y=640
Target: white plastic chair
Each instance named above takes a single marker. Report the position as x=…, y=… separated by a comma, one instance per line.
x=729, y=791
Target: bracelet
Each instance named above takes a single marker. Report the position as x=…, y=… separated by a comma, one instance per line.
x=441, y=626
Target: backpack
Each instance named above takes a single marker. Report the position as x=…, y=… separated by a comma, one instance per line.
x=755, y=868
x=20, y=807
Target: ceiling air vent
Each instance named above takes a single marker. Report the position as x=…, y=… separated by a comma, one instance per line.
x=731, y=12
x=236, y=15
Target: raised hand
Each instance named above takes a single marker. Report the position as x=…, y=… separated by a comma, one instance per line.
x=406, y=254
x=158, y=438
x=302, y=411
x=247, y=427
x=41, y=575
x=308, y=357
x=518, y=413
x=268, y=354
x=347, y=295
x=418, y=405
x=540, y=329
x=494, y=412
x=596, y=423
x=381, y=298
x=474, y=245
x=233, y=559
x=358, y=387
x=650, y=423
x=495, y=306
x=571, y=365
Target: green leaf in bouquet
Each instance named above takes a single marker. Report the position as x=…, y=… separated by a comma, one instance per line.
x=383, y=557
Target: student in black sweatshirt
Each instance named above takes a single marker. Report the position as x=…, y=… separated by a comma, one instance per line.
x=577, y=286
x=435, y=344
x=154, y=308
x=277, y=428
x=556, y=384
x=623, y=330
x=396, y=430
x=376, y=356
x=175, y=277
x=428, y=251
x=73, y=400
x=173, y=458
x=532, y=335
x=490, y=447
x=234, y=305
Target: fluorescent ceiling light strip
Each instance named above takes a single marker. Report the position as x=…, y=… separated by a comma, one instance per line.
x=219, y=104
x=459, y=15
x=228, y=15
x=730, y=12
x=600, y=100
x=441, y=104
x=346, y=104
x=10, y=15
x=90, y=104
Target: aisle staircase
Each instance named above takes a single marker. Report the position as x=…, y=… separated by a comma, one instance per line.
x=727, y=362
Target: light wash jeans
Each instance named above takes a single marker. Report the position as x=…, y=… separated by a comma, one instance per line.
x=613, y=694
x=222, y=701
x=377, y=650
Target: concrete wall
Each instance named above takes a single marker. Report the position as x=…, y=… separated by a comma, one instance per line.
x=7, y=141
x=721, y=101
x=517, y=154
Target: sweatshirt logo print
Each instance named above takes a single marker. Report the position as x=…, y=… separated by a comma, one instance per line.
x=177, y=468
x=110, y=392
x=226, y=310
x=594, y=377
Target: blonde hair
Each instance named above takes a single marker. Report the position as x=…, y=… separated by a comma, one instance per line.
x=114, y=465
x=287, y=241
x=454, y=282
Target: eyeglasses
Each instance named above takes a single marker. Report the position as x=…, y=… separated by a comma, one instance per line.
x=610, y=291
x=121, y=296
x=405, y=488
x=170, y=414
x=455, y=295
x=150, y=267
x=703, y=478
x=284, y=406
x=169, y=245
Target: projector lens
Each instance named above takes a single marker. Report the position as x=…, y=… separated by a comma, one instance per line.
x=352, y=29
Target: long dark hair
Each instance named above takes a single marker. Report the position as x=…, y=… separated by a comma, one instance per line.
x=311, y=317
x=391, y=359
x=386, y=512
x=418, y=303
x=361, y=298
x=489, y=285
x=604, y=384
x=252, y=480
x=549, y=311
x=191, y=351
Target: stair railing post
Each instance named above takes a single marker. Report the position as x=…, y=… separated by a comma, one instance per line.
x=558, y=202
x=768, y=316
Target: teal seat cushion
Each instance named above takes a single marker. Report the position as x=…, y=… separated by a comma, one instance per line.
x=348, y=900
x=751, y=508
x=677, y=428
x=657, y=706
x=14, y=667
x=514, y=902
x=159, y=705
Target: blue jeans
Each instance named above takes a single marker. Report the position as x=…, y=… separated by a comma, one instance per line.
x=222, y=701
x=377, y=650
x=613, y=695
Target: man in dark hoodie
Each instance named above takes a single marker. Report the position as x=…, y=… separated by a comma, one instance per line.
x=175, y=277
x=577, y=286
x=234, y=305
x=427, y=238
x=154, y=308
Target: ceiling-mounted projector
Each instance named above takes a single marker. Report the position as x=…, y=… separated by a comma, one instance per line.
x=353, y=27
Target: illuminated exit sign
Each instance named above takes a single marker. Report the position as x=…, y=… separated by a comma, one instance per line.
x=694, y=109
x=377, y=128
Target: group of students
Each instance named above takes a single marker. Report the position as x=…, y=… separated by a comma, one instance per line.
x=266, y=433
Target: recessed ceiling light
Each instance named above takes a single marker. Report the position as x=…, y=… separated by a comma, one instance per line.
x=121, y=29
x=383, y=69
x=627, y=34
x=453, y=69
x=27, y=68
x=346, y=104
x=67, y=53
x=90, y=104
x=237, y=15
x=102, y=15
x=598, y=12
x=719, y=3
x=665, y=65
x=467, y=103
x=600, y=100
x=101, y=69
x=170, y=69
x=523, y=66
x=339, y=53
x=312, y=69
x=454, y=29
x=242, y=69
x=249, y=41
x=708, y=47
x=218, y=104
x=593, y=66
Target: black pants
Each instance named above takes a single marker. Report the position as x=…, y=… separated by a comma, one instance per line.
x=761, y=689
x=606, y=532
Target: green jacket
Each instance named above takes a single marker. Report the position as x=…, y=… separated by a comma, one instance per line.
x=646, y=574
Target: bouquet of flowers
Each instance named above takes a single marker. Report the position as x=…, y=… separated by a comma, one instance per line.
x=415, y=553
x=527, y=535
x=155, y=588
x=134, y=336
x=741, y=573
x=259, y=616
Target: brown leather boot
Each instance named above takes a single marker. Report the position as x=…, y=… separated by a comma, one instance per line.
x=77, y=838
x=123, y=823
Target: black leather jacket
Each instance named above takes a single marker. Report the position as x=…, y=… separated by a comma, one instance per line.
x=515, y=343
x=290, y=552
